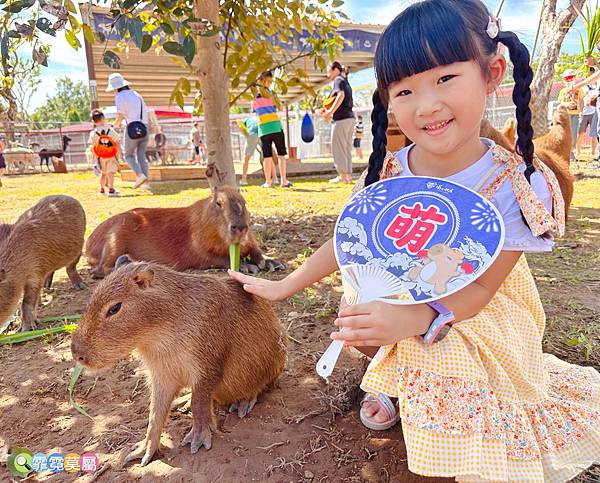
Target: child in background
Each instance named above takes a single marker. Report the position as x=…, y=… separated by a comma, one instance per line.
x=359, y=130
x=484, y=403
x=104, y=143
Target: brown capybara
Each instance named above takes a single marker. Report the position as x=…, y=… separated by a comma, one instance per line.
x=197, y=236
x=558, y=139
x=552, y=160
x=45, y=238
x=190, y=330
x=510, y=130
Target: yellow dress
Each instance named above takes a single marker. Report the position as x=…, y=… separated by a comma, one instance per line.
x=485, y=403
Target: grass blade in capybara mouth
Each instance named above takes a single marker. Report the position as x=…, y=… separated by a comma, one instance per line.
x=234, y=257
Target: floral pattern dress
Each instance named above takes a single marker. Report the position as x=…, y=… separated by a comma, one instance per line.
x=485, y=403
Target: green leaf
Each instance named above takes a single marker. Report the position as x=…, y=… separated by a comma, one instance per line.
x=16, y=7
x=234, y=257
x=337, y=3
x=167, y=28
x=121, y=26
x=71, y=386
x=177, y=97
x=13, y=34
x=72, y=39
x=135, y=31
x=186, y=87
x=4, y=46
x=172, y=48
x=35, y=334
x=88, y=34
x=45, y=25
x=573, y=341
x=146, y=43
x=70, y=6
x=189, y=49
x=75, y=24
x=127, y=4
x=111, y=59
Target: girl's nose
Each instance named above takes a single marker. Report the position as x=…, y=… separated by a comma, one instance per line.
x=429, y=105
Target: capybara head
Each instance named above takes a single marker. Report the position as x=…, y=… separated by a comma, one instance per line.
x=443, y=253
x=227, y=210
x=123, y=314
x=561, y=117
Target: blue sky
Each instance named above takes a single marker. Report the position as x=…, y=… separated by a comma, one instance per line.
x=520, y=16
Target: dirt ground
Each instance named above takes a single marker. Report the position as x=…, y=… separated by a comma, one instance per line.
x=304, y=430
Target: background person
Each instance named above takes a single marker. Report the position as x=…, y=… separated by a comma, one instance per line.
x=131, y=108
x=340, y=111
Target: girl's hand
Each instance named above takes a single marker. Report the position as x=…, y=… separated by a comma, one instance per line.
x=267, y=289
x=379, y=323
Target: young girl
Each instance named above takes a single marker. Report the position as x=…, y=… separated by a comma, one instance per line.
x=484, y=403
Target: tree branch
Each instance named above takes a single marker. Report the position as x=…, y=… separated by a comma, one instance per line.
x=227, y=37
x=278, y=66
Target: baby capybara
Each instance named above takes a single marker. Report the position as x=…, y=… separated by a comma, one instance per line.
x=190, y=330
x=45, y=238
x=197, y=236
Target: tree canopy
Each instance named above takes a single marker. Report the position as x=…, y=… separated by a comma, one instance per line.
x=71, y=102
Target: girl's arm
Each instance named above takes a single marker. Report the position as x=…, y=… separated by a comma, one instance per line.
x=319, y=265
x=380, y=323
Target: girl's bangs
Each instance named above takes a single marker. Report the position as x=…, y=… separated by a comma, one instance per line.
x=423, y=37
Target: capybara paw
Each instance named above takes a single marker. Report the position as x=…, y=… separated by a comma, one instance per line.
x=247, y=268
x=142, y=450
x=245, y=406
x=271, y=265
x=26, y=326
x=79, y=285
x=196, y=439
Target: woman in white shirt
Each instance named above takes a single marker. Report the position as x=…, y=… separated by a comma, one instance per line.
x=131, y=108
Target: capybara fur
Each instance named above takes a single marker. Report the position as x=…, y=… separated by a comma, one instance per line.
x=190, y=330
x=559, y=167
x=45, y=238
x=197, y=236
x=558, y=139
x=510, y=130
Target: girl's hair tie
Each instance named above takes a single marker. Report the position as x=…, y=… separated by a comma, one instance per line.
x=493, y=27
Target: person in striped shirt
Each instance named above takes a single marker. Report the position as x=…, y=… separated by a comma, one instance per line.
x=270, y=131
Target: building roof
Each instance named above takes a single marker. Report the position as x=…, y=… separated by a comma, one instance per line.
x=154, y=75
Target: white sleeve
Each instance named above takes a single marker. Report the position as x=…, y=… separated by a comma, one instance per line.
x=120, y=105
x=518, y=236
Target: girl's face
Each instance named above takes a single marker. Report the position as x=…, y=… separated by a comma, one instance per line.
x=441, y=109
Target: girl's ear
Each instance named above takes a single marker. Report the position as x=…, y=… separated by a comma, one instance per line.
x=497, y=69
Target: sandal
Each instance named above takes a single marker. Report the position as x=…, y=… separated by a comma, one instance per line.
x=386, y=405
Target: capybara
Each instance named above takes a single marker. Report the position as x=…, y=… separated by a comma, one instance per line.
x=197, y=236
x=45, y=238
x=190, y=330
x=558, y=139
x=510, y=130
x=559, y=167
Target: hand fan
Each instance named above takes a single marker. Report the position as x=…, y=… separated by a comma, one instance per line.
x=410, y=240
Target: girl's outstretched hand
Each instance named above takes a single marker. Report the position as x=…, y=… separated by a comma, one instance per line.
x=380, y=323
x=267, y=289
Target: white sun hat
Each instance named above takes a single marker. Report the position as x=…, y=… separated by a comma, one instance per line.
x=116, y=81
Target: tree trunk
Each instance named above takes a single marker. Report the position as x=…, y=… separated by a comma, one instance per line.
x=214, y=85
x=554, y=29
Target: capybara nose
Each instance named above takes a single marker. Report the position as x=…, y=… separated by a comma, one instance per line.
x=77, y=350
x=238, y=228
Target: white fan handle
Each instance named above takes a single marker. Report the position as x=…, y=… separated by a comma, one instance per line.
x=329, y=358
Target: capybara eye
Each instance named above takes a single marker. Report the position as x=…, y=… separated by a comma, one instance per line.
x=114, y=309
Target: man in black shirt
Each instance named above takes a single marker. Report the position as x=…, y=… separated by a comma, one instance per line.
x=340, y=111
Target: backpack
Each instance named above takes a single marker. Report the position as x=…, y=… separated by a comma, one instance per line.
x=104, y=147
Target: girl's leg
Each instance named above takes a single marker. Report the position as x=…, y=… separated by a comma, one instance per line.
x=110, y=180
x=102, y=181
x=359, y=153
x=245, y=168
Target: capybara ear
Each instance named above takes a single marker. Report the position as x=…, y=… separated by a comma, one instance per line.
x=144, y=279
x=122, y=260
x=436, y=249
x=2, y=274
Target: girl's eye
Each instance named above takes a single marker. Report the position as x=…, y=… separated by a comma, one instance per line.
x=446, y=78
x=403, y=93
x=113, y=310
